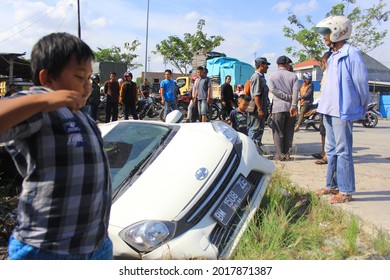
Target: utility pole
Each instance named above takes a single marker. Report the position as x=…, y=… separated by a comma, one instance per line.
x=78, y=18
x=146, y=44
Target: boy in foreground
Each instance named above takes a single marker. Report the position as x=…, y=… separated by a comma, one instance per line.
x=65, y=202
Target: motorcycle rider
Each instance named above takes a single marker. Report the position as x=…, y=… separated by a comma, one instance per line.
x=129, y=96
x=344, y=99
x=145, y=89
x=305, y=99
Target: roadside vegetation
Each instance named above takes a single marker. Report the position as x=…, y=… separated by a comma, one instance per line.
x=296, y=225
x=290, y=225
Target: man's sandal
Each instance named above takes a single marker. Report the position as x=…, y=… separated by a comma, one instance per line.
x=317, y=156
x=325, y=191
x=321, y=161
x=340, y=198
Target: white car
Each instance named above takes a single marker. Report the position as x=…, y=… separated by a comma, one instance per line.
x=181, y=191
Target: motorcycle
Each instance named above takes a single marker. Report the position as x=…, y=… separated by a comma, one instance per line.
x=183, y=101
x=370, y=118
x=310, y=119
x=101, y=115
x=146, y=108
x=157, y=101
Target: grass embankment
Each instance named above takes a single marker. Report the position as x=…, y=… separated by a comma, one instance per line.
x=296, y=225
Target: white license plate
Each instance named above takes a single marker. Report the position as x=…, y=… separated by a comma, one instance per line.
x=232, y=201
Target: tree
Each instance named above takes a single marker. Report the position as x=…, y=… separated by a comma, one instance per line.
x=366, y=36
x=115, y=54
x=180, y=52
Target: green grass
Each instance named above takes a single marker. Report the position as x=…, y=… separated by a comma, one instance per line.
x=296, y=225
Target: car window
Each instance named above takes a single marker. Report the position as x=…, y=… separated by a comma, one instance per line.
x=181, y=82
x=127, y=145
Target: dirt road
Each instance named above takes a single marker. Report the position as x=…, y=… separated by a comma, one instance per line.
x=372, y=169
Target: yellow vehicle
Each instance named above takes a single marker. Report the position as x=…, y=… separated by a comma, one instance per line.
x=184, y=84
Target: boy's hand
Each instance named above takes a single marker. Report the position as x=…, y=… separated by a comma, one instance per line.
x=64, y=98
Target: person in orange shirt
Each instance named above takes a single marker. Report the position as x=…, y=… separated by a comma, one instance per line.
x=247, y=87
x=305, y=99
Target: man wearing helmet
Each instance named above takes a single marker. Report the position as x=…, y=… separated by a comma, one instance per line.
x=305, y=98
x=344, y=99
x=128, y=96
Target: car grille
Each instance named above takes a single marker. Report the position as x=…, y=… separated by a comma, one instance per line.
x=221, y=236
x=215, y=191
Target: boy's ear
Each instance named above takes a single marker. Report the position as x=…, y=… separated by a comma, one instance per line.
x=44, y=78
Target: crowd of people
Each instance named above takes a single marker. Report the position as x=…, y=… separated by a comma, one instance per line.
x=65, y=204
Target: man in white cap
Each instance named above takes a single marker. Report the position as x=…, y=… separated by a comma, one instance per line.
x=344, y=99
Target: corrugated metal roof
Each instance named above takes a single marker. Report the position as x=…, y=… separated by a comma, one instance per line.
x=21, y=66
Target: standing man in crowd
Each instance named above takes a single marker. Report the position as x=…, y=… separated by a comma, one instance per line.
x=94, y=98
x=145, y=89
x=322, y=159
x=227, y=97
x=111, y=89
x=12, y=90
x=202, y=93
x=284, y=86
x=344, y=99
x=259, y=93
x=129, y=96
x=167, y=91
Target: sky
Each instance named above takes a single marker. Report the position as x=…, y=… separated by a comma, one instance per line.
x=251, y=28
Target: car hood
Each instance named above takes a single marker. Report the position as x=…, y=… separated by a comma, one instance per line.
x=169, y=186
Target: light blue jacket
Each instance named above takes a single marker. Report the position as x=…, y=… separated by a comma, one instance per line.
x=352, y=83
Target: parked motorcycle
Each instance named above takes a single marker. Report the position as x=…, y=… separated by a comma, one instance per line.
x=157, y=101
x=310, y=119
x=101, y=115
x=183, y=101
x=146, y=108
x=370, y=119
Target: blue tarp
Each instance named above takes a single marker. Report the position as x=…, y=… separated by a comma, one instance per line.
x=223, y=66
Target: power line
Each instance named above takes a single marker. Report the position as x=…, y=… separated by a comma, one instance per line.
x=34, y=22
x=63, y=20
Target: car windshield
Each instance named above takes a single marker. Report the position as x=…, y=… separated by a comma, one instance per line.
x=128, y=146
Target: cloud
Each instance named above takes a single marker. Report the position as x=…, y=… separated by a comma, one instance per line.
x=306, y=7
x=282, y=6
x=192, y=16
x=98, y=23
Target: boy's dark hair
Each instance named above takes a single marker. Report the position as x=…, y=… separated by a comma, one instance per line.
x=200, y=68
x=169, y=71
x=52, y=52
x=244, y=97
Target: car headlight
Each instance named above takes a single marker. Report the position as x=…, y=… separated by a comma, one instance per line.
x=227, y=131
x=145, y=236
